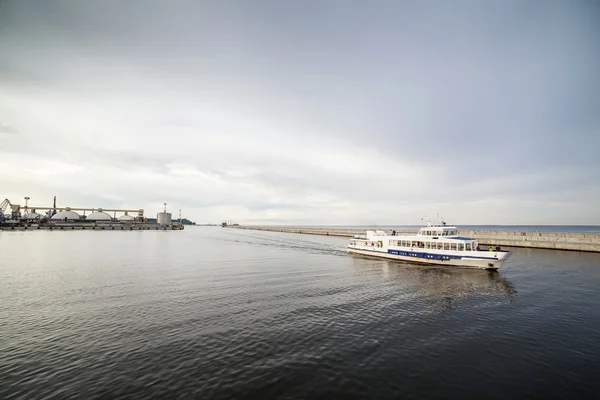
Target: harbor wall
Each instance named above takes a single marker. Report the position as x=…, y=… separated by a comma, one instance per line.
x=90, y=227
x=540, y=240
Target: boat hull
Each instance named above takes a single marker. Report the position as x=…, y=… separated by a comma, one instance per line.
x=465, y=262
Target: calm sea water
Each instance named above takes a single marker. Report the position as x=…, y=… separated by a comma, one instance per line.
x=223, y=313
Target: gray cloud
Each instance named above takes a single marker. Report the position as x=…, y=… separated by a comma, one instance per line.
x=313, y=112
x=7, y=129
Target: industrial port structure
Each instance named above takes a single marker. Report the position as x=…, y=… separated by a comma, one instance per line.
x=15, y=216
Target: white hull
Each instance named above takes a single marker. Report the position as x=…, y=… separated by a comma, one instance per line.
x=433, y=245
x=470, y=261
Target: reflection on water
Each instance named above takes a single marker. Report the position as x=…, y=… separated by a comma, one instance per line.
x=446, y=285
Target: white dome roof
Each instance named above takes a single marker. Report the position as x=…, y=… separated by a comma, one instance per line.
x=99, y=216
x=126, y=217
x=69, y=215
x=32, y=215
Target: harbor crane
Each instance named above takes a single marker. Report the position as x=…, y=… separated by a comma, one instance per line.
x=15, y=210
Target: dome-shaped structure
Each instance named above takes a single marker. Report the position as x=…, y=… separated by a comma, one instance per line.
x=32, y=215
x=69, y=215
x=126, y=217
x=99, y=216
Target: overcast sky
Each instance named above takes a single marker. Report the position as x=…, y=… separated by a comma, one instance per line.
x=305, y=112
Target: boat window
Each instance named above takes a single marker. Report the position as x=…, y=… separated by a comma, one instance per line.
x=453, y=246
x=461, y=247
x=427, y=245
x=440, y=246
x=468, y=246
x=446, y=246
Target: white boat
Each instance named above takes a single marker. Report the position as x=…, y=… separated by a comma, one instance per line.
x=433, y=244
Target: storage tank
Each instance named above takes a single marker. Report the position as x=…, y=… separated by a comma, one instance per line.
x=66, y=216
x=126, y=218
x=32, y=215
x=163, y=218
x=99, y=216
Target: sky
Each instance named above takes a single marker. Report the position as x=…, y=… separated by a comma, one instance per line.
x=305, y=112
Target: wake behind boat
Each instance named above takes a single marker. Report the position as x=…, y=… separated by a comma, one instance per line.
x=433, y=244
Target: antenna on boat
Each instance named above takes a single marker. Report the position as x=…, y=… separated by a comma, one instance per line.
x=427, y=219
x=442, y=222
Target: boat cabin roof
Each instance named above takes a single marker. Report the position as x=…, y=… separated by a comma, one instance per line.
x=438, y=230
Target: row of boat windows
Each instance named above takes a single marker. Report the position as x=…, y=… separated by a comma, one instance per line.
x=444, y=233
x=468, y=246
x=414, y=244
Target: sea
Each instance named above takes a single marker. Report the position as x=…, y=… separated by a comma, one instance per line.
x=214, y=313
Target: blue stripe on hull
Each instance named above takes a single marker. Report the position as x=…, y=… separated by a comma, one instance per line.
x=428, y=256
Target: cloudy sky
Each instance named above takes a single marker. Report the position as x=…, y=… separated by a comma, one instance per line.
x=305, y=112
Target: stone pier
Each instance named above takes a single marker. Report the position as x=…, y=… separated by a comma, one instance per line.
x=540, y=240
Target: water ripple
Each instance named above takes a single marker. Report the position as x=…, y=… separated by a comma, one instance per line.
x=238, y=314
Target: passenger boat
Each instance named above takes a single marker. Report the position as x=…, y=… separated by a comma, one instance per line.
x=433, y=244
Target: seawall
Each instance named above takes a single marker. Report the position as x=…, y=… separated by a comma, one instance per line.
x=91, y=227
x=539, y=240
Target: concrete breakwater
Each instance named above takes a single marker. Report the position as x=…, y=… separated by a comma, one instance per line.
x=539, y=240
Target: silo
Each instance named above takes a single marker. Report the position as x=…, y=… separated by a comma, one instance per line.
x=163, y=218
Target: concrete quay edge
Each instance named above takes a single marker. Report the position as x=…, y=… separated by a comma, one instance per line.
x=588, y=242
